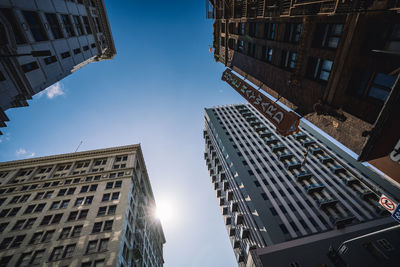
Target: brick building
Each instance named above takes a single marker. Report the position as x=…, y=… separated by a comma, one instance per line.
x=84, y=209
x=334, y=62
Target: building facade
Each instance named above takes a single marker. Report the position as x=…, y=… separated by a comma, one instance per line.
x=91, y=208
x=334, y=62
x=280, y=192
x=76, y=32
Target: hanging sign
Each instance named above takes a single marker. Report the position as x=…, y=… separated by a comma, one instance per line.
x=387, y=203
x=286, y=122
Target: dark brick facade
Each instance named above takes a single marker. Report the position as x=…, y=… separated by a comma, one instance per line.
x=333, y=62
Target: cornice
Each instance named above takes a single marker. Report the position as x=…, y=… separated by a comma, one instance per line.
x=71, y=156
x=105, y=23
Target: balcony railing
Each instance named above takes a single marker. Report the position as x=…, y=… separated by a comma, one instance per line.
x=303, y=175
x=314, y=188
x=293, y=165
x=285, y=156
x=327, y=202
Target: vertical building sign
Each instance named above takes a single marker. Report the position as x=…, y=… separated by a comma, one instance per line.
x=286, y=122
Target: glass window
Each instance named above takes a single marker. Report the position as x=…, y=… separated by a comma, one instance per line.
x=69, y=251
x=65, y=233
x=103, y=244
x=56, y=254
x=102, y=211
x=68, y=25
x=36, y=238
x=92, y=245
x=37, y=257
x=54, y=25
x=97, y=227
x=77, y=231
x=78, y=25
x=15, y=25
x=381, y=86
x=35, y=25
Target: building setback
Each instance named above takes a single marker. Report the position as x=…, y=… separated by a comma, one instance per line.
x=334, y=62
x=76, y=32
x=273, y=197
x=86, y=209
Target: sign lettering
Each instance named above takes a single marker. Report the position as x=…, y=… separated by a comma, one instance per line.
x=286, y=122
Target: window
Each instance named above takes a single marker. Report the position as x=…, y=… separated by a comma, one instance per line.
x=87, y=25
x=3, y=226
x=319, y=69
x=77, y=51
x=65, y=233
x=241, y=28
x=84, y=189
x=381, y=86
x=289, y=59
x=78, y=25
x=57, y=218
x=83, y=214
x=385, y=244
x=292, y=33
x=68, y=25
x=115, y=196
x=71, y=191
x=54, y=205
x=327, y=35
x=69, y=251
x=93, y=188
x=40, y=207
x=85, y=48
x=108, y=225
x=251, y=49
x=64, y=204
x=28, y=67
x=106, y=197
x=267, y=54
x=65, y=55
x=223, y=27
x=253, y=29
x=77, y=230
x=111, y=210
x=270, y=31
x=78, y=201
x=223, y=41
x=102, y=211
x=394, y=41
x=56, y=254
x=18, y=225
x=6, y=242
x=24, y=259
x=37, y=257
x=46, y=220
x=47, y=236
x=35, y=25
x=240, y=47
x=36, y=238
x=103, y=244
x=5, y=260
x=54, y=25
x=88, y=200
x=92, y=245
x=97, y=227
x=15, y=25
x=72, y=216
x=284, y=229
x=17, y=241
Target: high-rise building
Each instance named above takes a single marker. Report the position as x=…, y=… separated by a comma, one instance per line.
x=334, y=62
x=74, y=32
x=278, y=193
x=91, y=208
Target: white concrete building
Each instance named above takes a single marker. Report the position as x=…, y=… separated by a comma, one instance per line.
x=76, y=32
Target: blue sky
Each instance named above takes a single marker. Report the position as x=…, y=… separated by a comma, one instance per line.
x=153, y=92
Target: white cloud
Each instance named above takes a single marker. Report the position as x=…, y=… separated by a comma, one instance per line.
x=25, y=153
x=53, y=91
x=21, y=151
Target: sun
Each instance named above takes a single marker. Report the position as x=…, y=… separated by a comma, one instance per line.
x=164, y=212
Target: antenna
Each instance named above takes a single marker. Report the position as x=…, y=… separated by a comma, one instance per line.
x=78, y=146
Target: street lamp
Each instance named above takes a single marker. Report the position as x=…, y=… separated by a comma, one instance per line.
x=33, y=53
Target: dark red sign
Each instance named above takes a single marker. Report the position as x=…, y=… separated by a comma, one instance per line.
x=286, y=122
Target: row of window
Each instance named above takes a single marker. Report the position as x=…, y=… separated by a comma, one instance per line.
x=77, y=26
x=57, y=183
x=326, y=35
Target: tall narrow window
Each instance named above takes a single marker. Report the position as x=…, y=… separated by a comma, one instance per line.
x=267, y=54
x=87, y=25
x=54, y=25
x=292, y=33
x=289, y=60
x=15, y=25
x=270, y=31
x=78, y=25
x=327, y=35
x=319, y=69
x=35, y=25
x=68, y=25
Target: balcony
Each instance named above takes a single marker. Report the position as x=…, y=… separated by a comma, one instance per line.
x=303, y=175
x=251, y=118
x=327, y=202
x=234, y=207
x=229, y=195
x=224, y=211
x=285, y=156
x=232, y=231
x=338, y=169
x=216, y=186
x=317, y=151
x=366, y=193
x=255, y=123
x=326, y=160
x=300, y=136
x=314, y=188
x=239, y=219
x=244, y=233
x=341, y=222
x=219, y=193
x=307, y=143
x=278, y=148
x=293, y=166
x=271, y=141
x=226, y=185
x=350, y=180
x=264, y=134
x=260, y=128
